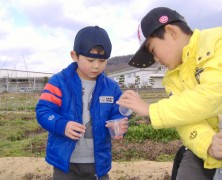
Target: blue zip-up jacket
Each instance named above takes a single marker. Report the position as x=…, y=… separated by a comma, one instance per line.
x=61, y=102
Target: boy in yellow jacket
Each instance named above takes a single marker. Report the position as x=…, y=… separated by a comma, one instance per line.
x=194, y=85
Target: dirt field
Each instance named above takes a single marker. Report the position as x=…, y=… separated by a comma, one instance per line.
x=29, y=168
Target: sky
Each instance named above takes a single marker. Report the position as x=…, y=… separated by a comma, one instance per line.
x=38, y=35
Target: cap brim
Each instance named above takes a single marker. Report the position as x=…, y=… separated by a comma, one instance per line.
x=142, y=58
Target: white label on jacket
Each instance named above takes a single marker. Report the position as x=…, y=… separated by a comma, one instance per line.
x=106, y=99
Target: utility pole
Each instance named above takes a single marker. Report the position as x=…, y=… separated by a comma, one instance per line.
x=137, y=82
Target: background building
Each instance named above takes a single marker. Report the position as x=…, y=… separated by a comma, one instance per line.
x=141, y=77
x=29, y=81
x=22, y=81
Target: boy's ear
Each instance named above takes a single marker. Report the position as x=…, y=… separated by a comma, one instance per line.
x=74, y=55
x=172, y=30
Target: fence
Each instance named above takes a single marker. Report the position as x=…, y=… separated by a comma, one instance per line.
x=25, y=101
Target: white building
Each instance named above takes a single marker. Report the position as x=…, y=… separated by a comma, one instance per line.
x=22, y=81
x=148, y=77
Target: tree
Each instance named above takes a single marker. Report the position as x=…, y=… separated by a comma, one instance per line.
x=45, y=80
x=151, y=81
x=121, y=80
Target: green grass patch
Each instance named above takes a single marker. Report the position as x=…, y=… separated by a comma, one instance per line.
x=142, y=132
x=21, y=135
x=139, y=130
x=165, y=157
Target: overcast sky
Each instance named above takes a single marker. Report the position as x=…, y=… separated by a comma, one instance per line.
x=37, y=35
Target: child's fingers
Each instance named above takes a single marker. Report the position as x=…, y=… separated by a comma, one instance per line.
x=74, y=135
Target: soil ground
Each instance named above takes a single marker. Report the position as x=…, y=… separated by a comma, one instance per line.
x=34, y=168
x=27, y=168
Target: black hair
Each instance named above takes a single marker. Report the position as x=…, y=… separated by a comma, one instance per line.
x=98, y=48
x=159, y=33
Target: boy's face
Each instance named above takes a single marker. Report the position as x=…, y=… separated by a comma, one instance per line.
x=167, y=51
x=89, y=68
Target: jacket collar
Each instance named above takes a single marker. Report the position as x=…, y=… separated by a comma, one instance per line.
x=70, y=72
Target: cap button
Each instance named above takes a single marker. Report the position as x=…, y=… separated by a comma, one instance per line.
x=97, y=27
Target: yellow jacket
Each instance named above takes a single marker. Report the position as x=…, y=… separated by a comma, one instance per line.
x=196, y=89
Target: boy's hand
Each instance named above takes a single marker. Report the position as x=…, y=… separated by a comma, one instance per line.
x=74, y=130
x=215, y=149
x=132, y=100
x=123, y=124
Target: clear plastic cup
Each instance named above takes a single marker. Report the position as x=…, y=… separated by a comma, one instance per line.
x=125, y=111
x=114, y=128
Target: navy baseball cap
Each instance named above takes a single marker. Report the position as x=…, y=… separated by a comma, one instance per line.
x=89, y=37
x=153, y=20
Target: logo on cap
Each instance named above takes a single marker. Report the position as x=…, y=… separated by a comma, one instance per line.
x=163, y=19
x=140, y=35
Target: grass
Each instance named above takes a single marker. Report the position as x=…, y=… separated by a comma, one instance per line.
x=142, y=132
x=21, y=135
x=139, y=130
x=18, y=101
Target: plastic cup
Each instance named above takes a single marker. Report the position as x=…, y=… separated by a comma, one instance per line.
x=114, y=128
x=125, y=111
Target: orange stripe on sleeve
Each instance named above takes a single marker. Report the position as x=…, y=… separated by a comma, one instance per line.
x=51, y=98
x=53, y=89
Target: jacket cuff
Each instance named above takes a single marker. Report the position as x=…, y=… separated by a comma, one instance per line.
x=204, y=145
x=210, y=162
x=60, y=126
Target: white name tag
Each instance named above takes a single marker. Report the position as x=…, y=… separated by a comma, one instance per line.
x=106, y=99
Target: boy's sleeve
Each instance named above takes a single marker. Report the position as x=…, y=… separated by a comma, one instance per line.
x=48, y=108
x=192, y=105
x=198, y=137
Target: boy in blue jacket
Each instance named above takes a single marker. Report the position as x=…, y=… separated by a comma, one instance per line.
x=74, y=107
